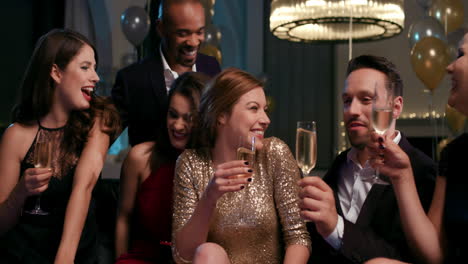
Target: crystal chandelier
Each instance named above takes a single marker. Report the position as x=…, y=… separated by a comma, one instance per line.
x=336, y=20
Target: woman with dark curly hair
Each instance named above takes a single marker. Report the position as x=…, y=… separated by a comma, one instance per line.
x=143, y=229
x=57, y=103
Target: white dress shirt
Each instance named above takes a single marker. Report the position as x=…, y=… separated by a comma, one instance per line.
x=352, y=192
x=169, y=74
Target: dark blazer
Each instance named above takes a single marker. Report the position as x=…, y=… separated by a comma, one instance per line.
x=140, y=94
x=377, y=231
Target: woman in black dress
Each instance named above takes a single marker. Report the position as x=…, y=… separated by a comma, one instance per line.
x=58, y=104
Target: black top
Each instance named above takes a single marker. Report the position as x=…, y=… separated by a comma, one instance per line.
x=36, y=238
x=452, y=166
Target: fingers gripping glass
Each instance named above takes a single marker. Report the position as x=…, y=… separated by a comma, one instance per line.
x=306, y=146
x=246, y=151
x=42, y=159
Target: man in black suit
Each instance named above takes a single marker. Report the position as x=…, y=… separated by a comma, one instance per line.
x=140, y=90
x=353, y=216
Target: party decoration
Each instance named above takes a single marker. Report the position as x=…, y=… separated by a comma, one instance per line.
x=135, y=24
x=212, y=35
x=442, y=144
x=449, y=12
x=453, y=40
x=429, y=59
x=426, y=27
x=213, y=51
x=455, y=120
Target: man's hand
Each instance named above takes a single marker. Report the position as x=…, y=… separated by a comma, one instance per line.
x=317, y=204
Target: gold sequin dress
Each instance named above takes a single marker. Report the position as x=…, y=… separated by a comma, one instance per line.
x=270, y=214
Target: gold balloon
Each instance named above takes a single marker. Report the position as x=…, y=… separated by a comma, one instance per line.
x=429, y=58
x=449, y=12
x=213, y=51
x=455, y=119
x=442, y=144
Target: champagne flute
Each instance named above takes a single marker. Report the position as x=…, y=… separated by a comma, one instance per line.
x=246, y=151
x=42, y=159
x=306, y=146
x=382, y=116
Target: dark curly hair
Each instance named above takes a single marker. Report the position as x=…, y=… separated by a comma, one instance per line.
x=190, y=85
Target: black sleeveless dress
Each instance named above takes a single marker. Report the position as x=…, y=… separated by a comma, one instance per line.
x=36, y=238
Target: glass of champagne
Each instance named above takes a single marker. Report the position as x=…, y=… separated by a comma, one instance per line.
x=42, y=159
x=382, y=115
x=246, y=151
x=306, y=146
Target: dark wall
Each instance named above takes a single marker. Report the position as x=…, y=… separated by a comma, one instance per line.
x=22, y=23
x=16, y=45
x=300, y=80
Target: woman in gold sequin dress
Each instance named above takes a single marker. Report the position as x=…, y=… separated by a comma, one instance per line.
x=210, y=199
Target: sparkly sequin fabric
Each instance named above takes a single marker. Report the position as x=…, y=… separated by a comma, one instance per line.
x=268, y=205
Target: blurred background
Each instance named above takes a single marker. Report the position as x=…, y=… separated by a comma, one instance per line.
x=304, y=77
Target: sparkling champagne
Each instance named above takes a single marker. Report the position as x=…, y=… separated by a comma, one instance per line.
x=306, y=150
x=42, y=155
x=381, y=119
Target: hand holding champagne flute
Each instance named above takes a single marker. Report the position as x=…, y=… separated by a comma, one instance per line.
x=42, y=159
x=246, y=151
x=382, y=115
x=306, y=146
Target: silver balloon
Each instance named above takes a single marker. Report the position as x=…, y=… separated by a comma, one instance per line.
x=425, y=4
x=426, y=27
x=453, y=40
x=135, y=24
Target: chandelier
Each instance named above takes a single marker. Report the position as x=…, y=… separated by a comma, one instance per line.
x=336, y=20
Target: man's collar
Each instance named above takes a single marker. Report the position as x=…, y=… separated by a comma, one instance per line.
x=166, y=65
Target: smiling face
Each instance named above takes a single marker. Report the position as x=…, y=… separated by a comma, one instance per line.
x=183, y=31
x=179, y=123
x=76, y=83
x=248, y=117
x=458, y=70
x=357, y=105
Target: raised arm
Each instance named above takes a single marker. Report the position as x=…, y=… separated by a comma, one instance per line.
x=15, y=189
x=286, y=175
x=86, y=175
x=192, y=214
x=134, y=167
x=424, y=234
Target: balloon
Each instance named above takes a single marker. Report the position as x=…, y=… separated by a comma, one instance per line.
x=453, y=40
x=442, y=144
x=211, y=51
x=135, y=24
x=212, y=35
x=449, y=13
x=455, y=119
x=425, y=4
x=429, y=59
x=426, y=27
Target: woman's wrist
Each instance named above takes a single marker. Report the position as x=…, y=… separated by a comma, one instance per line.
x=404, y=179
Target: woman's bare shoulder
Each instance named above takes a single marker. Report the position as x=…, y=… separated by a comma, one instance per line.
x=139, y=155
x=17, y=138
